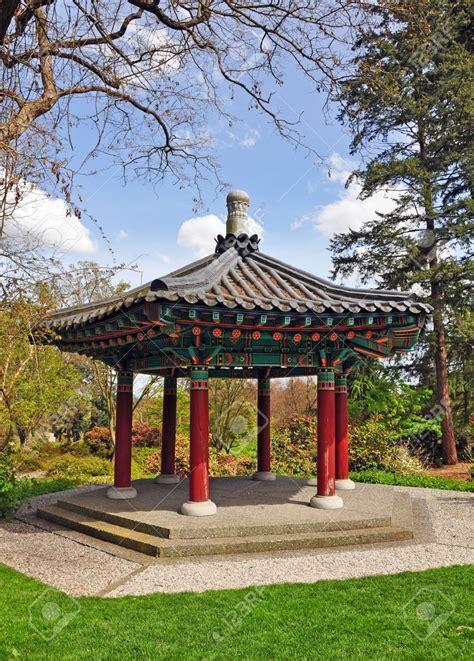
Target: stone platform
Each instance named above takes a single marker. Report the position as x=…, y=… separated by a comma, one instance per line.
x=251, y=517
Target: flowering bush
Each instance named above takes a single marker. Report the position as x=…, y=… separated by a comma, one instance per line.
x=144, y=436
x=227, y=465
x=99, y=442
x=301, y=431
x=290, y=458
x=372, y=445
x=219, y=464
x=153, y=463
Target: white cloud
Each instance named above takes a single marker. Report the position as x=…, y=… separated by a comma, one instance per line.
x=122, y=234
x=166, y=259
x=46, y=220
x=340, y=168
x=299, y=222
x=348, y=211
x=250, y=139
x=153, y=51
x=199, y=233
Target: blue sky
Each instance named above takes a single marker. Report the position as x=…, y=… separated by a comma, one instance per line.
x=291, y=194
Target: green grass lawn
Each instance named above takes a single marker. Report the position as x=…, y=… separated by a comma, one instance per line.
x=359, y=618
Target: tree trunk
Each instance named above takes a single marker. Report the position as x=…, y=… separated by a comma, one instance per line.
x=442, y=391
x=448, y=439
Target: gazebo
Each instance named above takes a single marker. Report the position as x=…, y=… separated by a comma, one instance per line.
x=239, y=313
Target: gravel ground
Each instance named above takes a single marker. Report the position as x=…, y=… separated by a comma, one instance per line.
x=285, y=568
x=80, y=569
x=61, y=562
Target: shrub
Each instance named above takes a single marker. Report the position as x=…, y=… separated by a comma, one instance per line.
x=28, y=461
x=227, y=465
x=465, y=443
x=9, y=490
x=81, y=468
x=14, y=490
x=374, y=445
x=99, y=442
x=144, y=436
x=301, y=431
x=427, y=445
x=219, y=464
x=34, y=458
x=141, y=457
x=153, y=463
x=31, y=486
x=291, y=458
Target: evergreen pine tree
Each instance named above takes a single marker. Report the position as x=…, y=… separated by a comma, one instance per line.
x=409, y=106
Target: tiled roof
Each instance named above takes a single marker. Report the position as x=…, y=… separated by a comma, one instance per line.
x=250, y=281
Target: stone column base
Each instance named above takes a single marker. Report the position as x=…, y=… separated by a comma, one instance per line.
x=264, y=476
x=167, y=478
x=312, y=482
x=203, y=508
x=345, y=485
x=326, y=502
x=121, y=493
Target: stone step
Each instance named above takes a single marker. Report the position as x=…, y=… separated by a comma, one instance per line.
x=108, y=532
x=287, y=542
x=214, y=531
x=162, y=547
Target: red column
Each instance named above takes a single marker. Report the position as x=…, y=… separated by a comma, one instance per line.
x=123, y=438
x=199, y=503
x=326, y=490
x=342, y=436
x=168, y=434
x=264, y=471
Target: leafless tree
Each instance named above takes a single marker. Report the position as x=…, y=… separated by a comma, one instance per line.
x=151, y=80
x=149, y=77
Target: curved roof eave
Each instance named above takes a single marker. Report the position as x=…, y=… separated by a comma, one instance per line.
x=256, y=280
